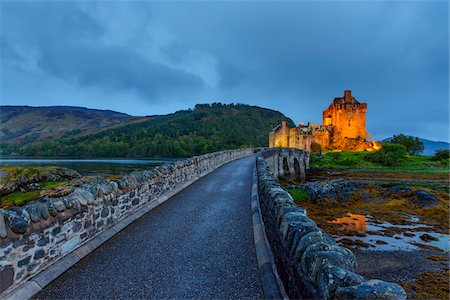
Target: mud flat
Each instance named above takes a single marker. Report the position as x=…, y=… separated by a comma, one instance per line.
x=398, y=232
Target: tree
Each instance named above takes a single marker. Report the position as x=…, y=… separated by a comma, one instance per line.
x=413, y=145
x=441, y=154
x=390, y=154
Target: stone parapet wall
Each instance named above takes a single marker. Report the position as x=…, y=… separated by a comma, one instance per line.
x=309, y=262
x=40, y=233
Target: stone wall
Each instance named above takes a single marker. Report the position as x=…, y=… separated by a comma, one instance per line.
x=287, y=163
x=309, y=262
x=37, y=235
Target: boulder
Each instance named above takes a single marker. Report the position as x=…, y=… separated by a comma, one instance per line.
x=311, y=238
x=330, y=277
x=399, y=189
x=423, y=199
x=372, y=289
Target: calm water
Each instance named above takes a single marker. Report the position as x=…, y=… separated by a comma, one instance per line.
x=397, y=242
x=103, y=167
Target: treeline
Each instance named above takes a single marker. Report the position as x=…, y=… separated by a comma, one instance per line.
x=206, y=128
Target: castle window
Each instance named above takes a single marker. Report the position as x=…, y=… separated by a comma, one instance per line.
x=349, y=123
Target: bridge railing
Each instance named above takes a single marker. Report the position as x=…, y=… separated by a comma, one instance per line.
x=309, y=262
x=63, y=230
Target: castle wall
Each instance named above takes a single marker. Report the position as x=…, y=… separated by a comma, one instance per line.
x=281, y=138
x=322, y=137
x=348, y=120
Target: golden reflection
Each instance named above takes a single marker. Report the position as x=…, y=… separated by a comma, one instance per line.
x=352, y=222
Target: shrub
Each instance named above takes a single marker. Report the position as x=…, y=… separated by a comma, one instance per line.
x=441, y=154
x=315, y=147
x=413, y=145
x=390, y=154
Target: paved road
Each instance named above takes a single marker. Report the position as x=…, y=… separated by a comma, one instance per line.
x=199, y=244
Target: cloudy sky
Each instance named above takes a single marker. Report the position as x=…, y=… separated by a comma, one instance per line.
x=145, y=58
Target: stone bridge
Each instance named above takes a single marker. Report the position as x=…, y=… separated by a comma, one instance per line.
x=212, y=226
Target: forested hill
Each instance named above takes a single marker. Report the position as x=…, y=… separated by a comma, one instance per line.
x=206, y=128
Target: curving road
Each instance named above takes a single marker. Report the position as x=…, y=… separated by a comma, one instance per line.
x=199, y=244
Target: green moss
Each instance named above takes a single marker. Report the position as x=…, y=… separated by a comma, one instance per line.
x=298, y=194
x=21, y=198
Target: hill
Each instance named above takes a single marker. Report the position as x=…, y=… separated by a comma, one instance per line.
x=23, y=125
x=206, y=128
x=430, y=146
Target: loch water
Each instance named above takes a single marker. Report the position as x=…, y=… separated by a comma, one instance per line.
x=89, y=167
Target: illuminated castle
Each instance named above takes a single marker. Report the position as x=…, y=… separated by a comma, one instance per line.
x=343, y=128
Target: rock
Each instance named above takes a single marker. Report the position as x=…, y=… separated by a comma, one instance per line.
x=330, y=277
x=84, y=197
x=3, y=229
x=6, y=277
x=43, y=209
x=59, y=204
x=39, y=254
x=34, y=211
x=104, y=213
x=399, y=189
x=428, y=238
x=22, y=212
x=15, y=222
x=51, y=207
x=423, y=199
x=313, y=262
x=24, y=262
x=29, y=181
x=43, y=241
x=332, y=190
x=299, y=233
x=311, y=238
x=372, y=289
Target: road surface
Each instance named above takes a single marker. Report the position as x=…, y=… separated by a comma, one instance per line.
x=199, y=244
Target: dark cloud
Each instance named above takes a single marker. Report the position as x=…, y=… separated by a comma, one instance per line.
x=291, y=56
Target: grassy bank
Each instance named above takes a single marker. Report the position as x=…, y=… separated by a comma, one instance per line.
x=362, y=161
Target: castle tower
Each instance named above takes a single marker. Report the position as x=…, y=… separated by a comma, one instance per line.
x=279, y=136
x=347, y=116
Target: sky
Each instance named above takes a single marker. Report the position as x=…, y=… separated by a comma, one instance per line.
x=151, y=57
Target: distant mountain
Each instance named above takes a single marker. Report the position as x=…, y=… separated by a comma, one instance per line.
x=206, y=128
x=430, y=146
x=22, y=125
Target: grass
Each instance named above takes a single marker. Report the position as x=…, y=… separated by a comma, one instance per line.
x=361, y=161
x=21, y=198
x=14, y=172
x=298, y=194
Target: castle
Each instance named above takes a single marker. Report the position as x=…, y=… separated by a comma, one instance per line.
x=343, y=128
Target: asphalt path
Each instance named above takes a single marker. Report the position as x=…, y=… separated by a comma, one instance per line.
x=198, y=244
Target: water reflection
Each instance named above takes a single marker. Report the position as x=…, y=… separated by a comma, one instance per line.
x=352, y=222
x=379, y=240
